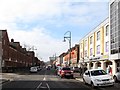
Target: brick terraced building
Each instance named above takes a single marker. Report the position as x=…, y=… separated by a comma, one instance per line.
x=13, y=56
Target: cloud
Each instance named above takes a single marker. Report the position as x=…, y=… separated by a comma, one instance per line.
x=26, y=10
x=27, y=21
x=39, y=39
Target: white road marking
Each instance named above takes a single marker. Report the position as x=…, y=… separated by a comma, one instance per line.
x=39, y=86
x=48, y=86
x=44, y=79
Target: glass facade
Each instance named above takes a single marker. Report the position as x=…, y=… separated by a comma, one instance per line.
x=115, y=27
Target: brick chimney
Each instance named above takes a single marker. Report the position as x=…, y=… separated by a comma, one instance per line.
x=12, y=40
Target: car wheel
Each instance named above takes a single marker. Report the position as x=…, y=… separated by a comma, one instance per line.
x=72, y=77
x=115, y=79
x=61, y=76
x=92, y=84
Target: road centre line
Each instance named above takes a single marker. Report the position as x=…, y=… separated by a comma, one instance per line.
x=44, y=79
x=44, y=76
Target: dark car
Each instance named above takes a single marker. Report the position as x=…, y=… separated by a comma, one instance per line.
x=48, y=67
x=66, y=72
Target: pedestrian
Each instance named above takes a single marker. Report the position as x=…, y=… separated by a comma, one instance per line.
x=80, y=71
x=85, y=68
x=110, y=70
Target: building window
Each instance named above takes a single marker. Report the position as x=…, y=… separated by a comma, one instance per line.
x=81, y=45
x=85, y=53
x=4, y=42
x=91, y=39
x=81, y=55
x=85, y=43
x=98, y=35
x=107, y=30
x=91, y=51
x=98, y=49
x=107, y=46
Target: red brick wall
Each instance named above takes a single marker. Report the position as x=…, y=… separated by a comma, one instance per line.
x=14, y=56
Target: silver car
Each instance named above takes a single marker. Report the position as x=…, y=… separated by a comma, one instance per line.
x=117, y=75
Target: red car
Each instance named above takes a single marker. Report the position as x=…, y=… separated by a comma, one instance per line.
x=66, y=72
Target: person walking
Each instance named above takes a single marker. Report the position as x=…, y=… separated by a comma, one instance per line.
x=80, y=71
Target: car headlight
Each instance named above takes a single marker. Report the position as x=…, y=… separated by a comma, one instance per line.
x=98, y=80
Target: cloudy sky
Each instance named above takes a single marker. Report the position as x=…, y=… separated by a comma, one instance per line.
x=42, y=23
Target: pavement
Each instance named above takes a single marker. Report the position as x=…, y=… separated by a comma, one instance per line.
x=78, y=77
x=6, y=77
x=3, y=80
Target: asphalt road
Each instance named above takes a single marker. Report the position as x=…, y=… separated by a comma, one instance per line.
x=47, y=80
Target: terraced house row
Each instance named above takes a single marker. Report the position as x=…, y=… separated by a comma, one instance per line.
x=13, y=56
x=100, y=48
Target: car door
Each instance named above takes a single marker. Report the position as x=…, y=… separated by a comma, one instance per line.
x=86, y=76
x=89, y=78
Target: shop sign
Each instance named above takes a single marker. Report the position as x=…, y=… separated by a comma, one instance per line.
x=105, y=57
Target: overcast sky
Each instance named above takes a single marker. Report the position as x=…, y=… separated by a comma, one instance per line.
x=42, y=23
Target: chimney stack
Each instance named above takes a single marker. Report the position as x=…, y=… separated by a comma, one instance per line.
x=12, y=40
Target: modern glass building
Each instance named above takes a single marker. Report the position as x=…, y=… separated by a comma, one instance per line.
x=114, y=15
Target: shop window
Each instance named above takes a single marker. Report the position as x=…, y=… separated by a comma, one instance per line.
x=91, y=64
x=99, y=64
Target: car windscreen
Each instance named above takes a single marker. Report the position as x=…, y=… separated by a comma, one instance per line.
x=33, y=67
x=66, y=69
x=98, y=72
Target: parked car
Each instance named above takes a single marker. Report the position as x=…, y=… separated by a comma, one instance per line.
x=38, y=68
x=117, y=75
x=66, y=72
x=97, y=77
x=33, y=69
x=76, y=69
x=48, y=67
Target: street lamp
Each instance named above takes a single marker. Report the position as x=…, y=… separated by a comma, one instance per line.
x=69, y=39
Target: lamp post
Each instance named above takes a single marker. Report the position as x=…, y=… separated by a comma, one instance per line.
x=68, y=37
